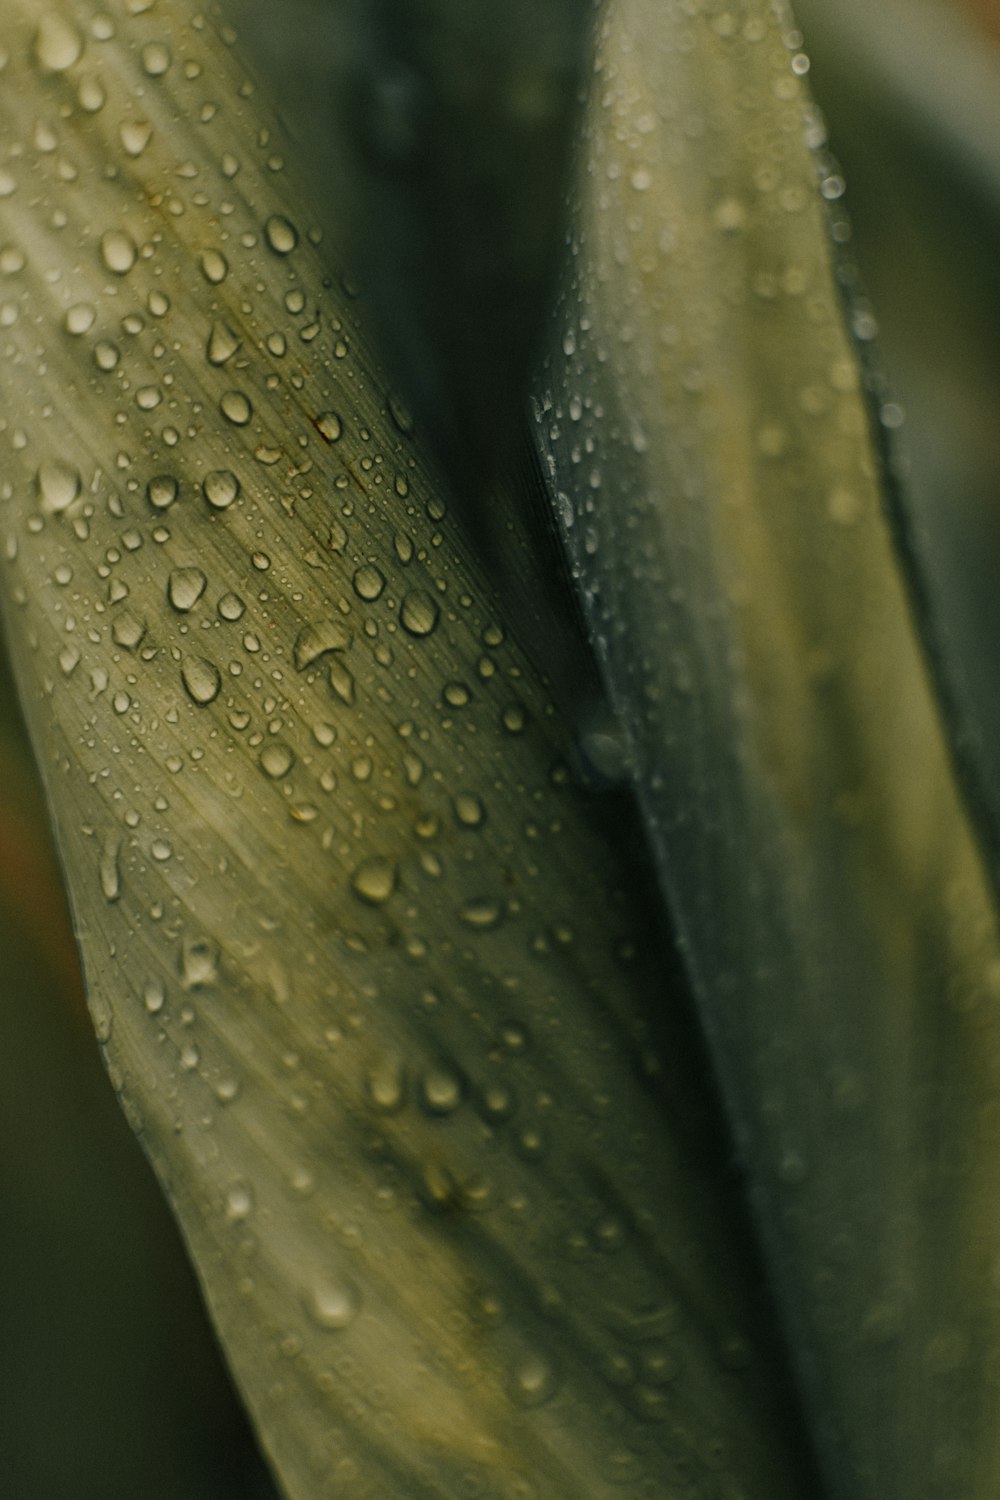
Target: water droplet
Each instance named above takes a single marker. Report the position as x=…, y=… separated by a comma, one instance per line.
x=239, y=1202
x=276, y=760
x=106, y=356
x=342, y=682
x=214, y=266
x=533, y=1381
x=148, y=397
x=199, y=965
x=220, y=488
x=155, y=58
x=374, y=880
x=111, y=883
x=223, y=343
x=80, y=318
x=127, y=630
x=418, y=613
x=313, y=641
x=135, y=136
x=386, y=1086
x=333, y=1305
x=201, y=679
x=329, y=426
x=231, y=607
x=281, y=234
x=58, y=45
x=162, y=491
x=185, y=587
x=118, y=251
x=468, y=809
x=368, y=582
x=513, y=718
x=441, y=1090
x=236, y=408
x=482, y=912
x=154, y=996
x=58, y=485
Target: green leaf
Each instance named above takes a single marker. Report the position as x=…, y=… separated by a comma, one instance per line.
x=385, y=1001
x=711, y=457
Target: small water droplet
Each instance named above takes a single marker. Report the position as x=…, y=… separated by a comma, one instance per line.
x=342, y=682
x=236, y=407
x=441, y=1090
x=220, y=488
x=111, y=883
x=201, y=679
x=222, y=344
x=185, y=587
x=481, y=912
x=281, y=234
x=58, y=485
x=374, y=880
x=239, y=1202
x=333, y=1305
x=368, y=582
x=468, y=809
x=533, y=1381
x=161, y=491
x=418, y=613
x=154, y=996
x=118, y=251
x=199, y=964
x=276, y=760
x=386, y=1086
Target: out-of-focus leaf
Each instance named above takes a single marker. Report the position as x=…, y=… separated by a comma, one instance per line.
x=913, y=102
x=711, y=459
x=371, y=982
x=447, y=126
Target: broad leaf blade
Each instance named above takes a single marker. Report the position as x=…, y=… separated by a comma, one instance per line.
x=711, y=459
x=370, y=984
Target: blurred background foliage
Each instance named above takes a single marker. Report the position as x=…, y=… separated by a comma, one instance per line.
x=111, y=1384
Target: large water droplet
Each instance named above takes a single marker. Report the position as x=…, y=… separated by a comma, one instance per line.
x=58, y=485
x=161, y=491
x=127, y=630
x=231, y=607
x=118, y=251
x=235, y=406
x=58, y=45
x=418, y=613
x=155, y=59
x=80, y=318
x=185, y=587
x=220, y=488
x=214, y=266
x=135, y=136
x=368, y=582
x=201, y=679
x=223, y=343
x=276, y=760
x=329, y=426
x=313, y=641
x=374, y=880
x=281, y=234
